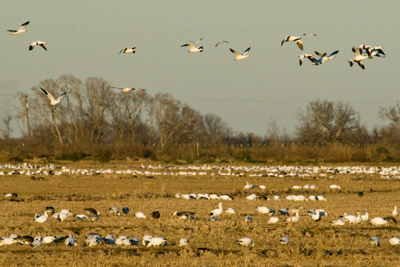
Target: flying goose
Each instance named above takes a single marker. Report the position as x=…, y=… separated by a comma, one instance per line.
x=33, y=44
x=127, y=89
x=323, y=58
x=293, y=39
x=301, y=58
x=221, y=43
x=240, y=56
x=245, y=241
x=193, y=48
x=20, y=30
x=53, y=101
x=127, y=50
x=309, y=34
x=358, y=59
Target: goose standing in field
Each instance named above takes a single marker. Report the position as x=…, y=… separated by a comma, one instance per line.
x=146, y=239
x=50, y=210
x=109, y=239
x=252, y=197
x=157, y=242
x=193, y=48
x=125, y=210
x=374, y=241
x=277, y=198
x=156, y=214
x=114, y=210
x=365, y=217
x=284, y=240
x=315, y=216
x=82, y=217
x=395, y=212
x=248, y=219
x=284, y=211
x=61, y=216
x=225, y=197
x=339, y=222
x=42, y=218
x=293, y=39
x=8, y=241
x=219, y=43
x=334, y=186
x=70, y=241
x=140, y=215
x=245, y=241
x=358, y=219
x=37, y=242
x=128, y=89
x=53, y=101
x=127, y=50
x=379, y=222
x=240, y=56
x=20, y=30
x=263, y=187
x=230, y=211
x=183, y=242
x=217, y=211
x=263, y=210
x=48, y=239
x=184, y=214
x=273, y=220
x=394, y=241
x=249, y=186
x=33, y=44
x=293, y=219
x=91, y=211
x=358, y=58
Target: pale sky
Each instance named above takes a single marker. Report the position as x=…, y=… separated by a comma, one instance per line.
x=84, y=39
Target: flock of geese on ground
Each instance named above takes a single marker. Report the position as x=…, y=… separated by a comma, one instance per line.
x=361, y=53
x=240, y=171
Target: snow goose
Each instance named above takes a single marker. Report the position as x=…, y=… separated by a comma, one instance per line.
x=53, y=102
x=252, y=197
x=358, y=58
x=114, y=210
x=334, y=186
x=312, y=198
x=8, y=241
x=290, y=38
x=127, y=50
x=303, y=56
x=240, y=56
x=214, y=197
x=248, y=219
x=249, y=186
x=157, y=242
x=321, y=198
x=33, y=44
x=284, y=211
x=184, y=214
x=263, y=210
x=315, y=216
x=50, y=210
x=217, y=211
x=374, y=241
x=273, y=220
x=276, y=197
x=20, y=30
x=230, y=211
x=193, y=48
x=284, y=240
x=307, y=186
x=394, y=241
x=37, y=215
x=395, y=212
x=125, y=210
x=42, y=218
x=146, y=239
x=297, y=187
x=11, y=195
x=309, y=34
x=313, y=186
x=109, y=239
x=263, y=187
x=82, y=217
x=156, y=214
x=120, y=240
x=214, y=218
x=61, y=216
x=91, y=211
x=225, y=197
x=219, y=43
x=365, y=217
x=245, y=241
x=140, y=215
x=48, y=239
x=379, y=222
x=183, y=242
x=128, y=89
x=323, y=58
x=339, y=222
x=70, y=241
x=293, y=219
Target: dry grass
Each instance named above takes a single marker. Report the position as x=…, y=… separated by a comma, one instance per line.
x=212, y=243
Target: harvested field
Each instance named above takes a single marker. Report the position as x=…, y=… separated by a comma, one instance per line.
x=211, y=243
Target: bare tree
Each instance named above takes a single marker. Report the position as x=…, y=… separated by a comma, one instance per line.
x=6, y=128
x=391, y=113
x=215, y=128
x=326, y=121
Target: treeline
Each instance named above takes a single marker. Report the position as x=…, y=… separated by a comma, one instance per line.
x=95, y=121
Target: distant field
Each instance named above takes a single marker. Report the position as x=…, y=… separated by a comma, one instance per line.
x=211, y=243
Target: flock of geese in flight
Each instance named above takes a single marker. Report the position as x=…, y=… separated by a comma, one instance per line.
x=361, y=53
x=276, y=215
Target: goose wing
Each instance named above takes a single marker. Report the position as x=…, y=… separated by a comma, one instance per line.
x=50, y=96
x=361, y=64
x=300, y=44
x=61, y=96
x=191, y=46
x=235, y=52
x=24, y=24
x=198, y=41
x=123, y=50
x=246, y=51
x=319, y=54
x=42, y=45
x=285, y=40
x=333, y=53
